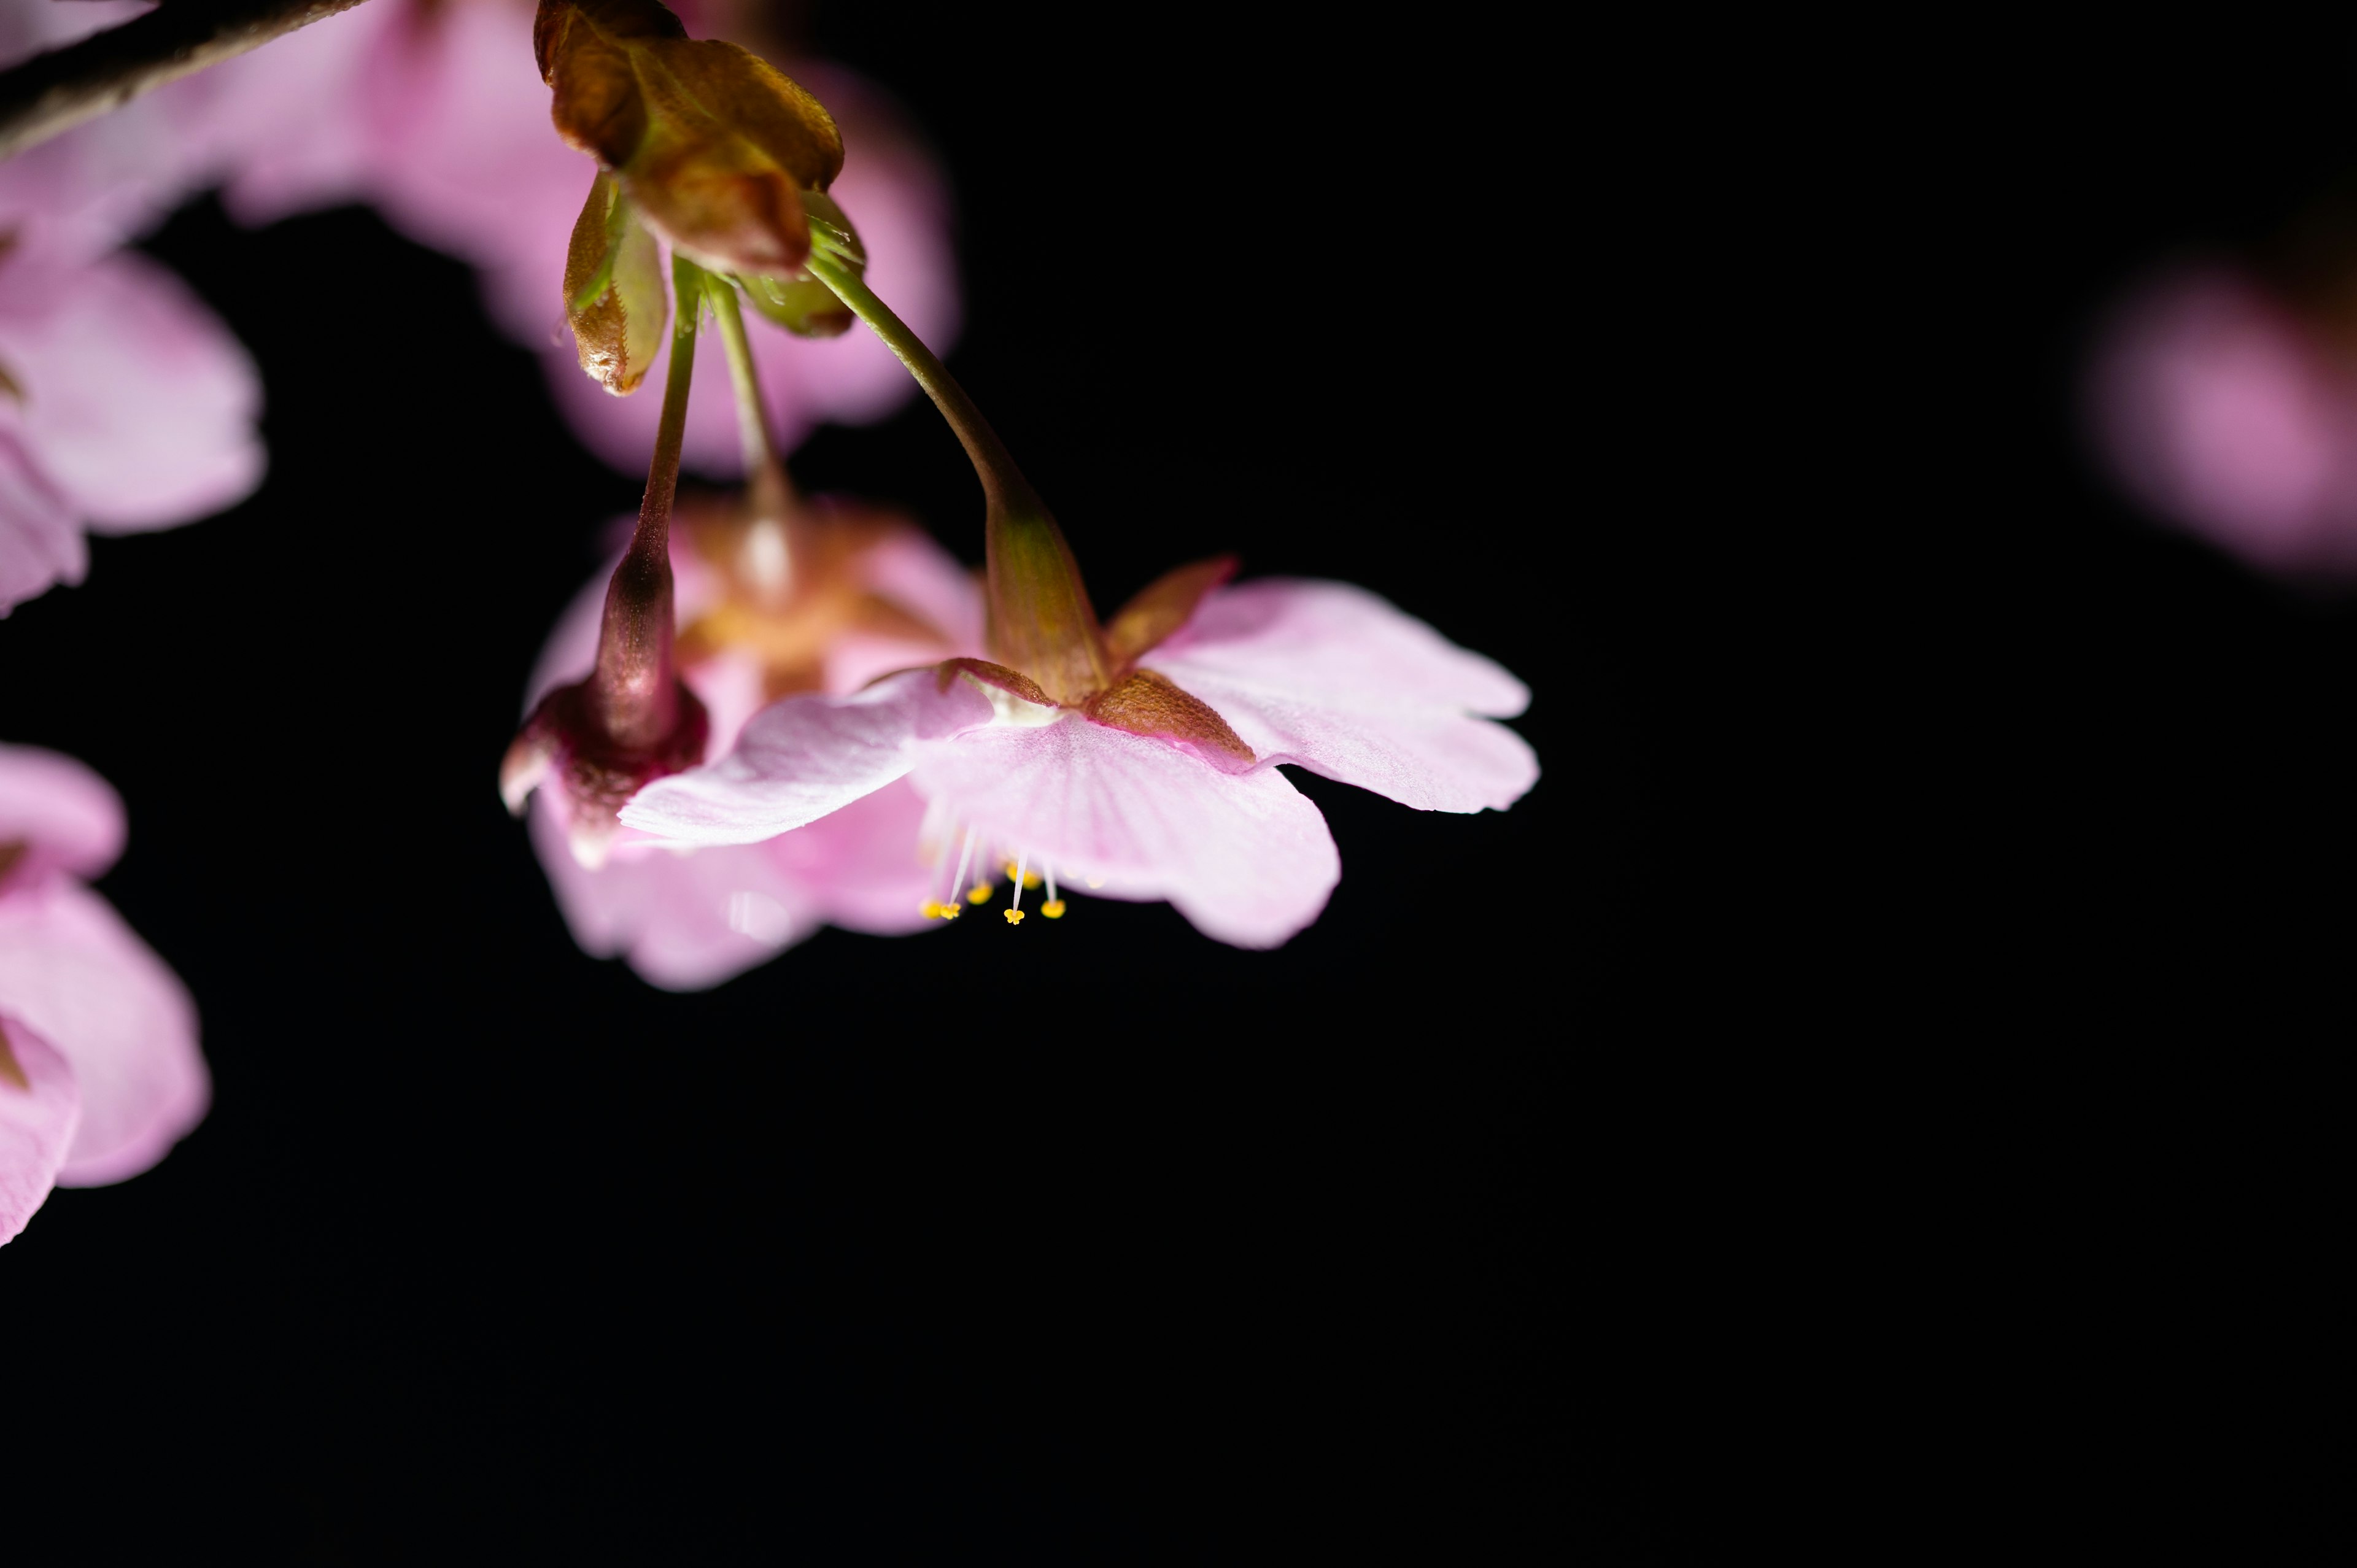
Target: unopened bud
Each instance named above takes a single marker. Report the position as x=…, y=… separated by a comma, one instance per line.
x=614, y=289
x=714, y=146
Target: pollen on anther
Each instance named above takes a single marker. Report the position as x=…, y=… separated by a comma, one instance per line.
x=1053, y=908
x=978, y=894
x=1014, y=917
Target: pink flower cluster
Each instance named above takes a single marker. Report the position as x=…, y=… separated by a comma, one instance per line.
x=100, y=1073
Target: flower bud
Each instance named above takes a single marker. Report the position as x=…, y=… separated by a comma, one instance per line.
x=715, y=146
x=614, y=290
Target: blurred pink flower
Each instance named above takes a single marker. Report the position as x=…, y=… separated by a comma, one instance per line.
x=125, y=405
x=854, y=596
x=2232, y=416
x=436, y=113
x=1322, y=674
x=100, y=1073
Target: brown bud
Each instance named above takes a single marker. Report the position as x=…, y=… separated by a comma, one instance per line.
x=614, y=290
x=714, y=145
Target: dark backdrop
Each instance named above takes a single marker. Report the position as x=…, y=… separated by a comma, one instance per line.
x=1107, y=1245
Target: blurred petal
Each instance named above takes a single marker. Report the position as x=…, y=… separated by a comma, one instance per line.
x=40, y=539
x=138, y=404
x=67, y=818
x=40, y=1107
x=1342, y=683
x=804, y=758
x=2220, y=410
x=688, y=920
x=71, y=969
x=1245, y=857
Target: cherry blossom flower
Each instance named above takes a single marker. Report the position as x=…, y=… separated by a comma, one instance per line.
x=2233, y=414
x=125, y=405
x=100, y=1073
x=812, y=597
x=1138, y=757
x=1171, y=792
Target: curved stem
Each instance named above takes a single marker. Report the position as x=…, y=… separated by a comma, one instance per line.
x=765, y=472
x=1002, y=483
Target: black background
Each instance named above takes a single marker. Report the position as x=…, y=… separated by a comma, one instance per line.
x=1103, y=1243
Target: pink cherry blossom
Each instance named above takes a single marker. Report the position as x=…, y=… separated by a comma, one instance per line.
x=127, y=406
x=436, y=113
x=687, y=920
x=2231, y=416
x=100, y=1075
x=1321, y=674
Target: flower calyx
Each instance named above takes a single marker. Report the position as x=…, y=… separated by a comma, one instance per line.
x=632, y=721
x=1096, y=668
x=717, y=149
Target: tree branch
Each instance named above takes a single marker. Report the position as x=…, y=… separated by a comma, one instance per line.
x=54, y=91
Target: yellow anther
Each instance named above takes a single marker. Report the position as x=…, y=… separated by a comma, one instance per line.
x=929, y=909
x=1030, y=879
x=1053, y=908
x=978, y=894
x=1014, y=917
x=950, y=911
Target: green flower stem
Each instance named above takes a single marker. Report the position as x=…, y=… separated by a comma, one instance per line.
x=1002, y=483
x=635, y=689
x=688, y=290
x=765, y=472
x=1040, y=619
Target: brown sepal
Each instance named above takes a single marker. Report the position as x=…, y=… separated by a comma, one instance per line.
x=1143, y=702
x=1161, y=607
x=711, y=143
x=989, y=674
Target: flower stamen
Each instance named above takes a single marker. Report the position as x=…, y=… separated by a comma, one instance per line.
x=1054, y=907
x=1014, y=909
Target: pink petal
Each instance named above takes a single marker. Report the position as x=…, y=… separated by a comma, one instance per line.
x=139, y=405
x=1244, y=856
x=297, y=126
x=67, y=818
x=804, y=758
x=40, y=539
x=37, y=1123
x=74, y=971
x=689, y=921
x=1333, y=678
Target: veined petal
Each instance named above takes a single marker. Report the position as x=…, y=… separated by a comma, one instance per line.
x=1244, y=856
x=64, y=815
x=72, y=969
x=1335, y=679
x=138, y=404
x=40, y=1107
x=804, y=758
